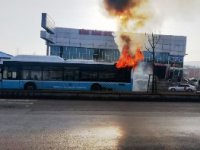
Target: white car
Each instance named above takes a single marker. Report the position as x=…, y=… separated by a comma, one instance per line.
x=182, y=88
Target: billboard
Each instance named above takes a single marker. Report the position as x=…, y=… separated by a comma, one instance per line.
x=47, y=23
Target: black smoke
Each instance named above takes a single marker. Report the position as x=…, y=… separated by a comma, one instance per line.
x=116, y=7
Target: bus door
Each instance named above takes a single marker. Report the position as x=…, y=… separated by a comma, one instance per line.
x=0, y=78
x=71, y=78
x=52, y=78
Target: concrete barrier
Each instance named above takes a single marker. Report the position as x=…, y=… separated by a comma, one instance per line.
x=71, y=95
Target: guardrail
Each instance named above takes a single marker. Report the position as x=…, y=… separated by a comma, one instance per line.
x=80, y=95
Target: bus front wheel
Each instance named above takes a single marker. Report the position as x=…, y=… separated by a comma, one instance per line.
x=30, y=86
x=96, y=87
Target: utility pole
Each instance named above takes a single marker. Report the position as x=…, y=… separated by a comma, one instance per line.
x=47, y=52
x=153, y=41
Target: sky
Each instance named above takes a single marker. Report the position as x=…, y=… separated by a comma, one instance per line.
x=20, y=22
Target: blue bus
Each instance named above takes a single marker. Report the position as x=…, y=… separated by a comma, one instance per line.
x=38, y=73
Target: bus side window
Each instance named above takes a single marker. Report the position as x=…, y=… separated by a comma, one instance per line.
x=9, y=75
x=5, y=74
x=35, y=77
x=0, y=74
x=68, y=75
x=14, y=75
x=71, y=74
x=26, y=74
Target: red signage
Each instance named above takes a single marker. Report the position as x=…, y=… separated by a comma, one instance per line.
x=82, y=31
x=95, y=32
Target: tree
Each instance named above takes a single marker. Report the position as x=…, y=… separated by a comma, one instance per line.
x=153, y=41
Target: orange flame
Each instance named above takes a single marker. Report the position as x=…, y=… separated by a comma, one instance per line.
x=126, y=60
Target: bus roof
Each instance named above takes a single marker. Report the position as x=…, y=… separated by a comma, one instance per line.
x=82, y=61
x=37, y=58
x=54, y=59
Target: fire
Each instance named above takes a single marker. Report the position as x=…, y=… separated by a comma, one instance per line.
x=131, y=15
x=128, y=61
x=130, y=55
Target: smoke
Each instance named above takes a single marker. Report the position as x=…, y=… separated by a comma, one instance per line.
x=173, y=10
x=130, y=13
x=116, y=7
x=134, y=41
x=140, y=77
x=177, y=9
x=150, y=15
x=131, y=16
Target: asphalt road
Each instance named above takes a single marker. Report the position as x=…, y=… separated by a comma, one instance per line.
x=56, y=124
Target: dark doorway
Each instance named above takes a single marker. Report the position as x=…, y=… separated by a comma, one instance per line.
x=160, y=71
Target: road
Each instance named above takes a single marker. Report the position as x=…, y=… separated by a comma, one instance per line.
x=89, y=125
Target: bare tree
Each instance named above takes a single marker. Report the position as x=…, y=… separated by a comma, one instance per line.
x=153, y=41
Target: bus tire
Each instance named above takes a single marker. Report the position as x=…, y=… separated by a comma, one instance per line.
x=30, y=86
x=96, y=87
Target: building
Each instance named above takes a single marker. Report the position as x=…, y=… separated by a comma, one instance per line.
x=192, y=72
x=4, y=56
x=98, y=45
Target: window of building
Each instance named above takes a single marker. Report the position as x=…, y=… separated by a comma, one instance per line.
x=55, y=50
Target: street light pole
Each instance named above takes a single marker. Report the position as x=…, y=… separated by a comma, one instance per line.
x=47, y=43
x=153, y=65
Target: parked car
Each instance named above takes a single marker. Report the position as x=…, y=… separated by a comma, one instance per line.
x=182, y=87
